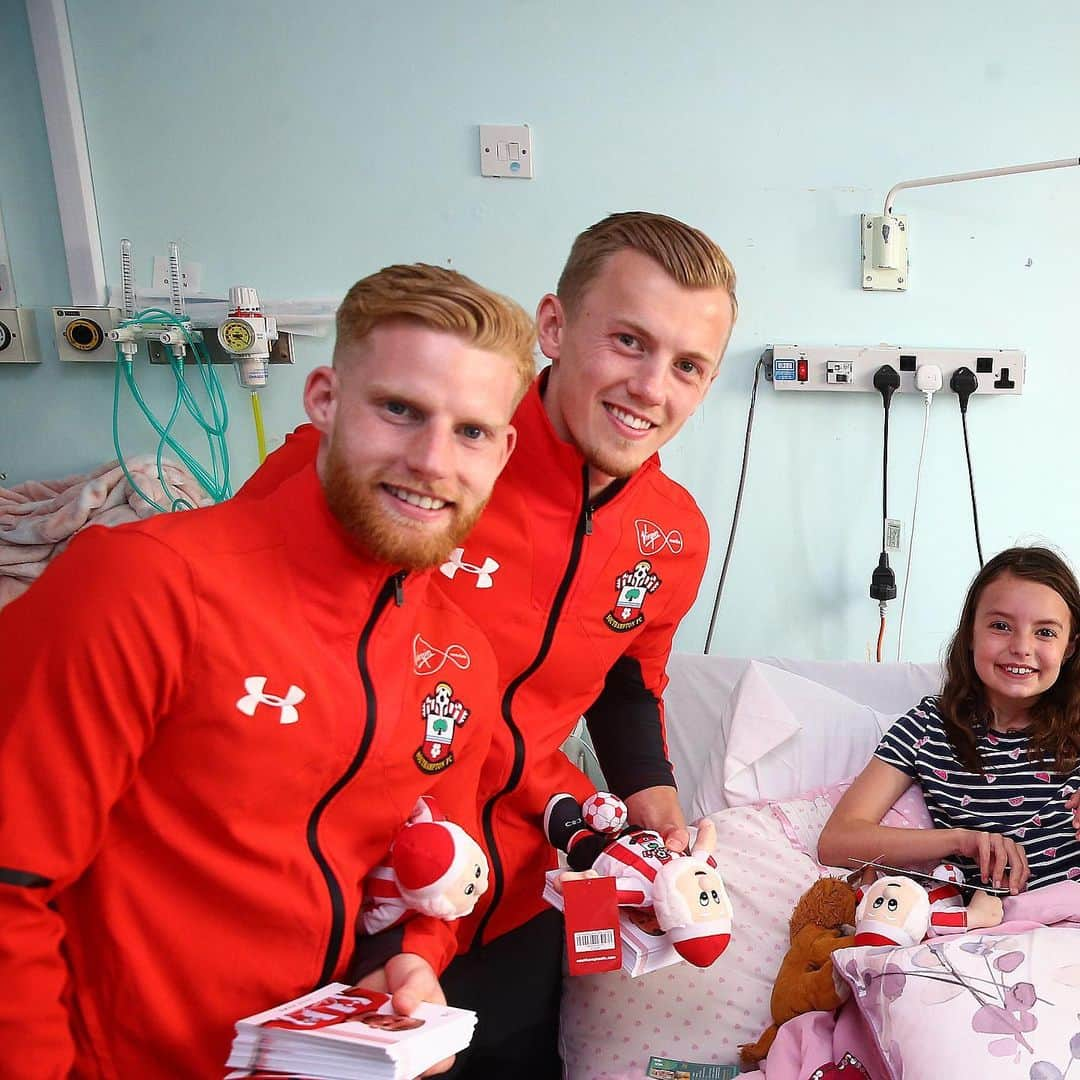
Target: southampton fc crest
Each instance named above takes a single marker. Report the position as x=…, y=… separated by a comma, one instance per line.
x=652, y=847
x=442, y=716
x=633, y=586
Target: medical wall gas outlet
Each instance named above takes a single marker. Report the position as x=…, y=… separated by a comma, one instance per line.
x=246, y=335
x=506, y=150
x=18, y=337
x=83, y=333
x=851, y=368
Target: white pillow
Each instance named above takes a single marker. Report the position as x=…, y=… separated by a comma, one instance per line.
x=612, y=1024
x=781, y=734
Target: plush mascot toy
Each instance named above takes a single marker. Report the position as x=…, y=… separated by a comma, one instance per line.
x=893, y=910
x=685, y=891
x=805, y=981
x=898, y=910
x=434, y=868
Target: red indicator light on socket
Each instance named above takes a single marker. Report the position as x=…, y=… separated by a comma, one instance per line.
x=801, y=371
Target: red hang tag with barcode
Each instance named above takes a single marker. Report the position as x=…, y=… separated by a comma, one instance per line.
x=592, y=925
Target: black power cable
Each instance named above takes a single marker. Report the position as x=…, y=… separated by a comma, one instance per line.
x=883, y=580
x=963, y=384
x=738, y=499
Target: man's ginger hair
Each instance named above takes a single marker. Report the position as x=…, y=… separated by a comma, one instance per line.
x=441, y=300
x=686, y=254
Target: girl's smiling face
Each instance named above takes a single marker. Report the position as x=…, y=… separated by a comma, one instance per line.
x=1021, y=636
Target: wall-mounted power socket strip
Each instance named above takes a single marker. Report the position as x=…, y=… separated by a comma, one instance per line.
x=852, y=367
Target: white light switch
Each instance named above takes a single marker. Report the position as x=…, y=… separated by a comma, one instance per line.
x=506, y=150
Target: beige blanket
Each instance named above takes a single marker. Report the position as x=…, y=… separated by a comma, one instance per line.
x=39, y=518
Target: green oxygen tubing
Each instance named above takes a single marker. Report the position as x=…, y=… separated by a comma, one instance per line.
x=213, y=480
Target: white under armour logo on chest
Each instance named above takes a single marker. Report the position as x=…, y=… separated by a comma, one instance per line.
x=255, y=685
x=484, y=572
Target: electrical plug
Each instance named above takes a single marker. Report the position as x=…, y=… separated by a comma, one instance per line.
x=886, y=382
x=963, y=384
x=928, y=378
x=883, y=581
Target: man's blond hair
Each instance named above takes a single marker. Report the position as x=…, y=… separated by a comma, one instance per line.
x=442, y=300
x=687, y=255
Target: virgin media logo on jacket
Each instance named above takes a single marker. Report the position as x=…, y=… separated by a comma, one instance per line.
x=429, y=659
x=652, y=538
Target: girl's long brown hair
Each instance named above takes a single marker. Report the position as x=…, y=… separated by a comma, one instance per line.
x=1055, y=716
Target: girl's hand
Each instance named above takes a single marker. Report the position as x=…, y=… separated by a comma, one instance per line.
x=1073, y=803
x=1000, y=859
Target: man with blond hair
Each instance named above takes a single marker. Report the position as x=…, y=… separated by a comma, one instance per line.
x=216, y=721
x=580, y=569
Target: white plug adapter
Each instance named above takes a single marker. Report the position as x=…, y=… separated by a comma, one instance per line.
x=928, y=378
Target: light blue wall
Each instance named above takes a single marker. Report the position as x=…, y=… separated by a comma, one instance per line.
x=298, y=147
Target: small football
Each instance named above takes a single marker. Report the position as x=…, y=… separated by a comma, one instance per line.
x=604, y=812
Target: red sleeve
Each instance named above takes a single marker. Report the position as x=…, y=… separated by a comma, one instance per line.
x=296, y=453
x=626, y=723
x=433, y=939
x=949, y=918
x=652, y=647
x=628, y=893
x=90, y=658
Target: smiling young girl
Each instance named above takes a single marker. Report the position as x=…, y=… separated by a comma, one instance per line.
x=996, y=753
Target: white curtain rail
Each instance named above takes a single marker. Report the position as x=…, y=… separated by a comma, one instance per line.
x=952, y=178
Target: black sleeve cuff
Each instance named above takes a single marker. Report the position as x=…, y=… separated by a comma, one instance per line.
x=625, y=728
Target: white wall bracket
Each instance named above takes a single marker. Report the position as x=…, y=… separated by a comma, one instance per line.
x=884, y=249
x=884, y=252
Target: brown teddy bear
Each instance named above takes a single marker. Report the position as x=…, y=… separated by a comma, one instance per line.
x=805, y=980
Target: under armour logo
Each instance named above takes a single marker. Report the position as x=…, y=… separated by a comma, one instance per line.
x=255, y=685
x=651, y=539
x=483, y=573
x=429, y=659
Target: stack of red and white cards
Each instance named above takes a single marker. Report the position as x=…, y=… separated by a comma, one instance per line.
x=342, y=1032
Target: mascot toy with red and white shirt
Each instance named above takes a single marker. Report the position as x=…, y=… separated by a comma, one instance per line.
x=684, y=889
x=898, y=910
x=434, y=867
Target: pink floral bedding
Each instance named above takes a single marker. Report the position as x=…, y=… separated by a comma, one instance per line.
x=1001, y=1003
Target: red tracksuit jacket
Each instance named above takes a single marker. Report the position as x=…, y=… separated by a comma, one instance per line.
x=213, y=724
x=580, y=603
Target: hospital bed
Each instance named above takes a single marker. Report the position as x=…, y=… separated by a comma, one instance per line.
x=764, y=746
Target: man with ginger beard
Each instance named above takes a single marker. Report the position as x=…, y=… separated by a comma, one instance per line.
x=216, y=721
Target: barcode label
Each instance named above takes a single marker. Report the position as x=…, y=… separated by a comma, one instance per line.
x=594, y=940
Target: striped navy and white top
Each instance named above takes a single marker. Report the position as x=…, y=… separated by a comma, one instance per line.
x=1018, y=797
